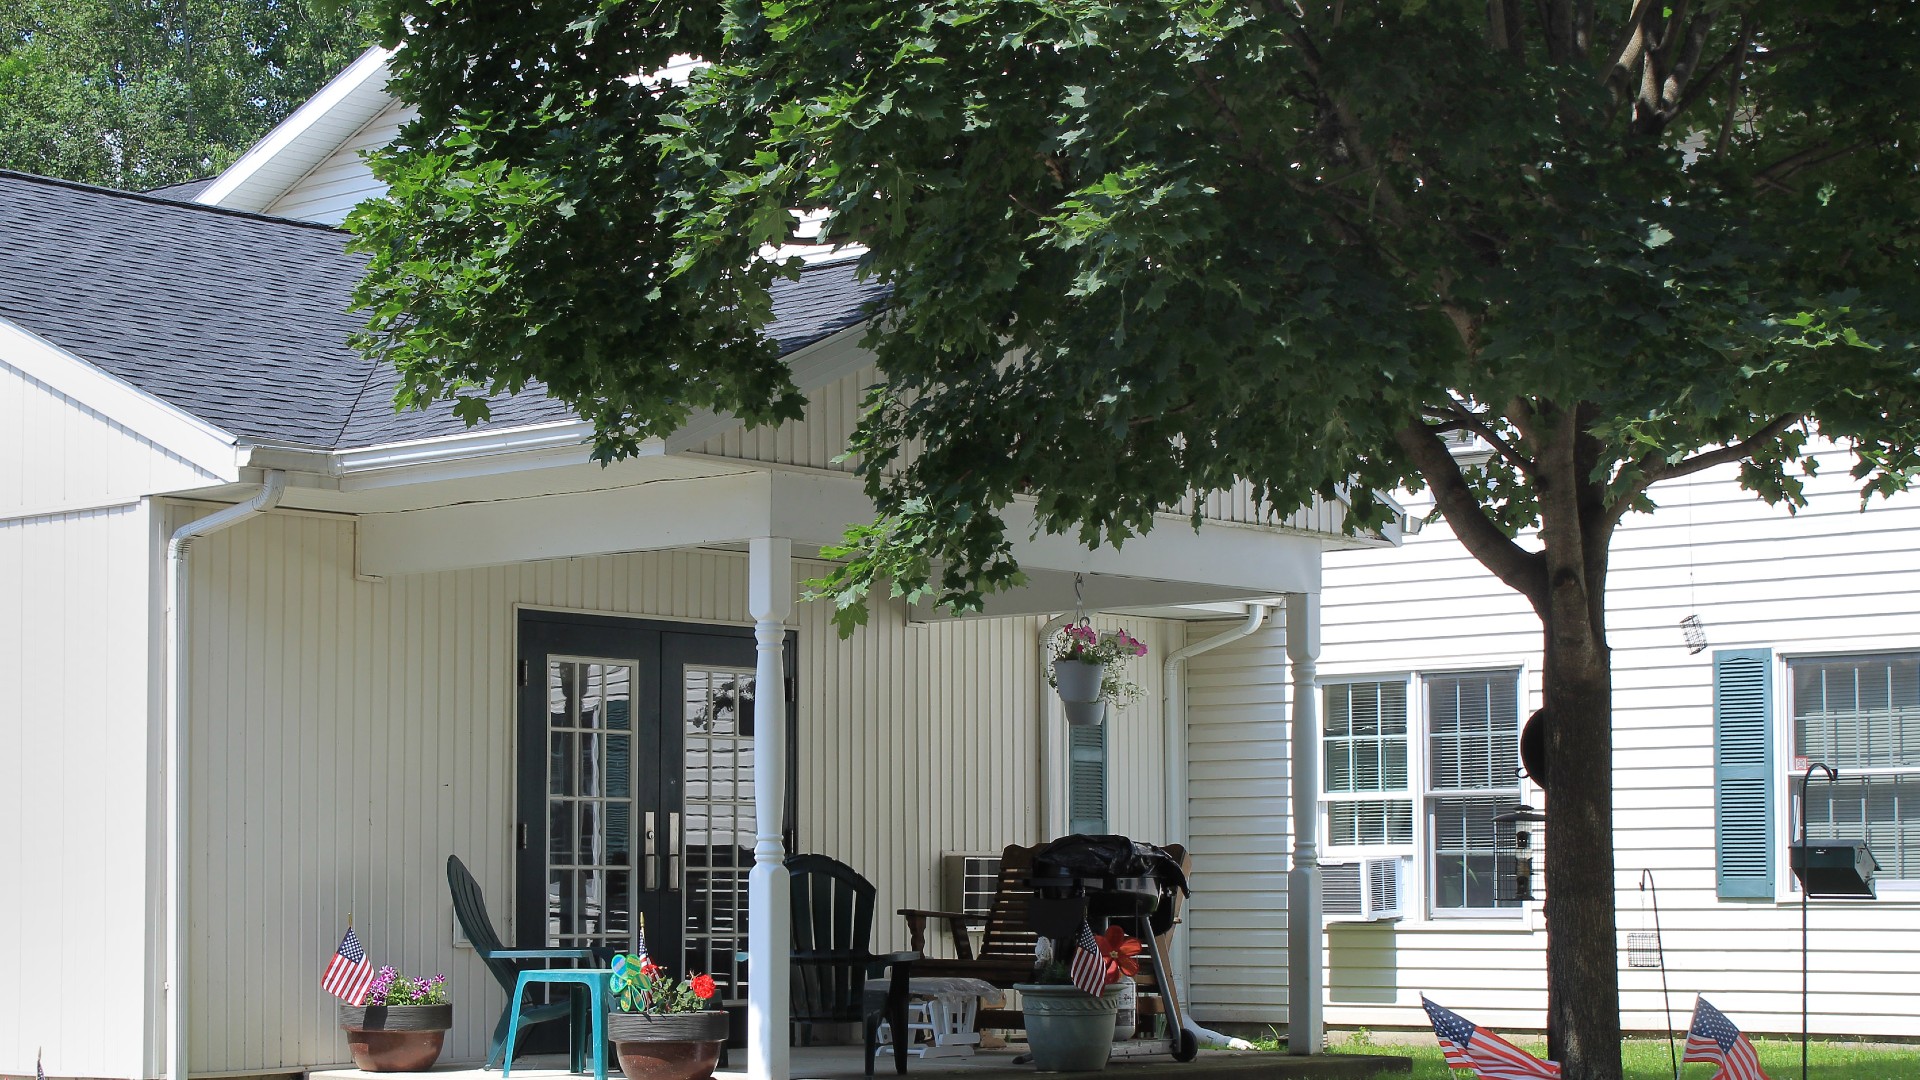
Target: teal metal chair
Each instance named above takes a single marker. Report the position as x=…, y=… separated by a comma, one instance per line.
x=471, y=909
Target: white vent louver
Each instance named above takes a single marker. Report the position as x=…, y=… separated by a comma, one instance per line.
x=1365, y=891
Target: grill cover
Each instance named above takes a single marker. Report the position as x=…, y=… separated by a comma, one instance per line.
x=1099, y=867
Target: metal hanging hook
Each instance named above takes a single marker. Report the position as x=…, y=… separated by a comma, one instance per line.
x=1079, y=598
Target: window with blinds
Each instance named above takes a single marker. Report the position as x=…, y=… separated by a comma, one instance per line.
x=1861, y=715
x=1473, y=765
x=1369, y=803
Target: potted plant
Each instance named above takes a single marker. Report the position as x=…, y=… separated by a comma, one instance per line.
x=402, y=1025
x=1087, y=671
x=1068, y=1029
x=661, y=1027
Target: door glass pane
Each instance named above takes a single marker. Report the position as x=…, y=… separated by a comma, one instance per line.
x=590, y=803
x=719, y=823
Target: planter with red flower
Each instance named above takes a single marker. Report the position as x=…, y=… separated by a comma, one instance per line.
x=661, y=1027
x=1069, y=1029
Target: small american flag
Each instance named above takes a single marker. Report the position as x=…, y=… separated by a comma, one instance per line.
x=640, y=939
x=1488, y=1055
x=1713, y=1038
x=1089, y=969
x=348, y=974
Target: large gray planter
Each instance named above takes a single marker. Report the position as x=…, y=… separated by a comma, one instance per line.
x=1078, y=680
x=1068, y=1029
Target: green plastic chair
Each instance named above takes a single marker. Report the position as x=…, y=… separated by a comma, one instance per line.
x=471, y=909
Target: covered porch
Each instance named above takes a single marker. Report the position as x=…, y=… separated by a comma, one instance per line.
x=919, y=735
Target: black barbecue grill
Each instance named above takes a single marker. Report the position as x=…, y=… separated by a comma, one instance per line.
x=1111, y=879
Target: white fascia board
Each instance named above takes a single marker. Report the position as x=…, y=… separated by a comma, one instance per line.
x=301, y=141
x=674, y=512
x=820, y=364
x=199, y=443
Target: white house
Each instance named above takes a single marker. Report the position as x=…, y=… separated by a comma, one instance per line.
x=274, y=652
x=1813, y=629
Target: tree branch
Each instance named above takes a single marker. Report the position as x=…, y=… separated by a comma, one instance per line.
x=1816, y=155
x=1523, y=571
x=1472, y=421
x=1653, y=469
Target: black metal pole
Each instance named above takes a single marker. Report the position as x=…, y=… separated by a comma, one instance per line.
x=1806, y=778
x=1660, y=947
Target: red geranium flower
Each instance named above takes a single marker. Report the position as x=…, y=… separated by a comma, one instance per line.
x=1121, y=952
x=702, y=986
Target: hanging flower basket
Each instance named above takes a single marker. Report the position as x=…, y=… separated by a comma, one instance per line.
x=1088, y=671
x=1078, y=680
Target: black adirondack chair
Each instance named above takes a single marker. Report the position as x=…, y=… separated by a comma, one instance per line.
x=833, y=958
x=471, y=909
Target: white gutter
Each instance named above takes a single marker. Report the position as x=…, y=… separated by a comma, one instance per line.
x=1173, y=711
x=177, y=719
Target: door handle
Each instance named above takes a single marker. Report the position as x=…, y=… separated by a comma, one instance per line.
x=673, y=851
x=646, y=856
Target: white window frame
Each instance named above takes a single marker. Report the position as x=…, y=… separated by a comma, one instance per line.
x=1420, y=908
x=1786, y=776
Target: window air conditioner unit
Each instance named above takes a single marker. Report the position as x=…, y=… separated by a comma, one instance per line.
x=968, y=880
x=1367, y=890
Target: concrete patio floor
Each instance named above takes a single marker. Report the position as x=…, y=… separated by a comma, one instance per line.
x=845, y=1063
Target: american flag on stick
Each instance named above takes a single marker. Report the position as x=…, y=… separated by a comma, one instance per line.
x=1713, y=1038
x=348, y=974
x=1488, y=1055
x=1089, y=968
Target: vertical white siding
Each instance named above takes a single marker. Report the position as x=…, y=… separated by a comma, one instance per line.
x=351, y=734
x=74, y=791
x=56, y=454
x=1239, y=826
x=1829, y=579
x=343, y=181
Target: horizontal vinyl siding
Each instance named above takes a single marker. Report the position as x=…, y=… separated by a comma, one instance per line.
x=57, y=454
x=1238, y=826
x=75, y=800
x=1829, y=579
x=343, y=181
x=350, y=734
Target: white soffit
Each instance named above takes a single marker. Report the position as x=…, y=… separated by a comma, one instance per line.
x=306, y=138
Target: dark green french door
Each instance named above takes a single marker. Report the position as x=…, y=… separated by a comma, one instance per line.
x=636, y=789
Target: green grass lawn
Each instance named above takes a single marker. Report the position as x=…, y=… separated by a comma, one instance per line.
x=1648, y=1061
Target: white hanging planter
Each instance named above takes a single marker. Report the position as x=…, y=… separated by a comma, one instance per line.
x=1078, y=680
x=1084, y=713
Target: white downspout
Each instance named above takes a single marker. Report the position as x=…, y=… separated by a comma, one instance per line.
x=177, y=817
x=1173, y=691
x=1046, y=786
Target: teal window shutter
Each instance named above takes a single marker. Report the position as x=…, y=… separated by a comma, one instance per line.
x=1743, y=772
x=1087, y=779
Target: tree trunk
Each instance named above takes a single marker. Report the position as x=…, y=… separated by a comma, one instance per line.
x=1583, y=968
x=1583, y=972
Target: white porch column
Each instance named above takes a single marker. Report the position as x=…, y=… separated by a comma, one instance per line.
x=769, y=934
x=1305, y=1030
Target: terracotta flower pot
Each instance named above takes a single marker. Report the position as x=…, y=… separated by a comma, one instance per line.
x=395, y=1038
x=669, y=1046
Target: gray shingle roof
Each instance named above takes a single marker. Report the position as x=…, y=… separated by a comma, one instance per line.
x=242, y=320
x=183, y=191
